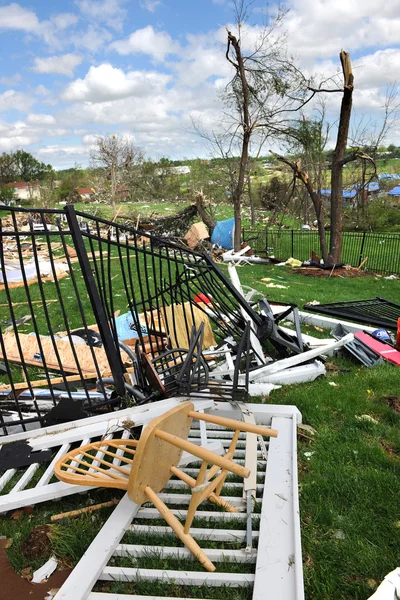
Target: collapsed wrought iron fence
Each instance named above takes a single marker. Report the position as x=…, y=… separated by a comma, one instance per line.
x=381, y=249
x=66, y=281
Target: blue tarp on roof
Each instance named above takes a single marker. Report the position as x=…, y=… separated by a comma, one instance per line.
x=346, y=193
x=395, y=191
x=388, y=176
x=373, y=186
x=223, y=233
x=349, y=193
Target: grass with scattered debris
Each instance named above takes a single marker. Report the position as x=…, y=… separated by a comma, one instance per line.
x=349, y=470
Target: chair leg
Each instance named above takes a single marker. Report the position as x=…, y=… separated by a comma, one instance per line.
x=212, y=497
x=177, y=527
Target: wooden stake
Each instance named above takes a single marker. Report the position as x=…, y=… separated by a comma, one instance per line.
x=81, y=511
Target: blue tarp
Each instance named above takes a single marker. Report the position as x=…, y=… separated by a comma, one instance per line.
x=395, y=191
x=373, y=186
x=223, y=234
x=346, y=193
x=388, y=176
x=126, y=328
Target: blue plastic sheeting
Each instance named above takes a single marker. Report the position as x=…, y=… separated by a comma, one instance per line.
x=395, y=191
x=349, y=193
x=126, y=328
x=223, y=234
x=388, y=176
x=325, y=192
x=373, y=186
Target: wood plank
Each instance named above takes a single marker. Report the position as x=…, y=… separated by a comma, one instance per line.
x=30, y=347
x=174, y=317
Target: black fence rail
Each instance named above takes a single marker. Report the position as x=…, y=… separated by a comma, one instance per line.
x=381, y=249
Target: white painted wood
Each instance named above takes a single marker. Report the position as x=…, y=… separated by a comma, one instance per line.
x=172, y=551
x=177, y=484
x=152, y=513
x=49, y=472
x=198, y=533
x=25, y=479
x=254, y=341
x=284, y=363
x=5, y=478
x=328, y=322
x=36, y=495
x=177, y=577
x=185, y=499
x=279, y=560
x=84, y=576
x=109, y=596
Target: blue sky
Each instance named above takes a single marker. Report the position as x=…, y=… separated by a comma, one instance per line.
x=72, y=69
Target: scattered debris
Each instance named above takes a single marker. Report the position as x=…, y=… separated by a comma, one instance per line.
x=367, y=418
x=374, y=311
x=45, y=571
x=389, y=589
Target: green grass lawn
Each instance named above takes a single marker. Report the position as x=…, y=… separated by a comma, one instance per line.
x=349, y=471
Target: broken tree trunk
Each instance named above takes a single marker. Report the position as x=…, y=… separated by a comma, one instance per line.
x=335, y=249
x=205, y=212
x=315, y=198
x=245, y=123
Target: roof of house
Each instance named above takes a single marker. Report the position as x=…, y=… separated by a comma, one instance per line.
x=85, y=190
x=395, y=191
x=345, y=193
x=22, y=184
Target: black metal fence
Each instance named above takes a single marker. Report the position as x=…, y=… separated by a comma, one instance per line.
x=66, y=281
x=381, y=249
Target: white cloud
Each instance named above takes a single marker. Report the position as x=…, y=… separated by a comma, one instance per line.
x=157, y=44
x=63, y=65
x=40, y=119
x=93, y=39
x=12, y=80
x=9, y=144
x=64, y=20
x=110, y=12
x=150, y=5
x=14, y=16
x=105, y=83
x=15, y=101
x=89, y=139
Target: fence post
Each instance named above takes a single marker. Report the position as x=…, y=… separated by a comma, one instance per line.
x=292, y=243
x=362, y=249
x=111, y=348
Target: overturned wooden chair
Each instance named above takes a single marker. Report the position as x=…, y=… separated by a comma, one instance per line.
x=144, y=467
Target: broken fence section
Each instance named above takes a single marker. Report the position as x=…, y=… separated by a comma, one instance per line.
x=94, y=314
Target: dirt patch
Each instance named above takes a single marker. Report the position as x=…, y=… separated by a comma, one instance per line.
x=322, y=273
x=393, y=402
x=15, y=587
x=38, y=543
x=389, y=448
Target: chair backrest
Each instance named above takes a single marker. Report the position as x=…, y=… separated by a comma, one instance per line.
x=129, y=464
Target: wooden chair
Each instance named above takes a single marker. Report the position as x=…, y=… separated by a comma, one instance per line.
x=144, y=467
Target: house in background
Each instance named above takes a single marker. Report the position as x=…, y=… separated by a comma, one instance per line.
x=24, y=190
x=86, y=193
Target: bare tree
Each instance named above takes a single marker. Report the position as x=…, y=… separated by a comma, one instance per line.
x=265, y=88
x=115, y=158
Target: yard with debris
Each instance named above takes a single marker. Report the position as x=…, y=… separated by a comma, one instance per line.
x=348, y=464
